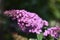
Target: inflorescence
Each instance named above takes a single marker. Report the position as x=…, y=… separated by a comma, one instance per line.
x=27, y=21
x=53, y=31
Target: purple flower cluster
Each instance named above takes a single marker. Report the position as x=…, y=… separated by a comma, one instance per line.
x=53, y=31
x=27, y=21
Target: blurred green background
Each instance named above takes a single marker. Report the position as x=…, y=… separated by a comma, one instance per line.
x=47, y=9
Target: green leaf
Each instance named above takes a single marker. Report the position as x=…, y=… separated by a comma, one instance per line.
x=39, y=36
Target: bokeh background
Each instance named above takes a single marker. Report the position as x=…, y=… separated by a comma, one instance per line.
x=47, y=9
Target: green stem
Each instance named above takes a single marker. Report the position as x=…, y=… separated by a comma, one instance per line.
x=39, y=36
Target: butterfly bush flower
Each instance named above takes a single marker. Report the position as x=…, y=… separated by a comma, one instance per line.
x=27, y=21
x=53, y=31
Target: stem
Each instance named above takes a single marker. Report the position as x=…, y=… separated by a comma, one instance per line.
x=39, y=36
